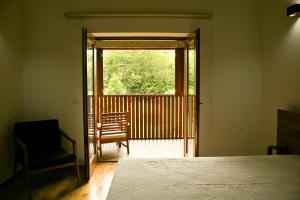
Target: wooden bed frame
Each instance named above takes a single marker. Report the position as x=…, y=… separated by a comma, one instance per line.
x=288, y=133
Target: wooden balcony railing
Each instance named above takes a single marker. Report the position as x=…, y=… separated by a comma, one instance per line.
x=151, y=116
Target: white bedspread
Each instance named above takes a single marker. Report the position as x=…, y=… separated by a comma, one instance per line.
x=245, y=177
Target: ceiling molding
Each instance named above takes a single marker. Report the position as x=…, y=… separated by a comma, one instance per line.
x=140, y=44
x=140, y=35
x=79, y=15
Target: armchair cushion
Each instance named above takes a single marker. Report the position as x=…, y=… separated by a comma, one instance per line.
x=43, y=142
x=59, y=157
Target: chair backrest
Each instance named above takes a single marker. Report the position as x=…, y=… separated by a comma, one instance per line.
x=115, y=121
x=39, y=136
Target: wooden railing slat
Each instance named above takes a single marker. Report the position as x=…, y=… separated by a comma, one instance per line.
x=169, y=121
x=153, y=116
x=195, y=117
x=137, y=118
x=117, y=100
x=142, y=117
x=164, y=118
x=161, y=117
x=156, y=117
x=176, y=116
x=122, y=104
x=104, y=104
x=113, y=102
x=127, y=104
x=185, y=99
x=133, y=121
x=109, y=104
x=146, y=135
x=149, y=117
x=172, y=117
x=180, y=116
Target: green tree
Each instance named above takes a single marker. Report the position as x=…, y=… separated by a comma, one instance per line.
x=115, y=86
x=139, y=71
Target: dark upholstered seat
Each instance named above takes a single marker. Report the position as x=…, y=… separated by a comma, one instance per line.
x=60, y=157
x=39, y=148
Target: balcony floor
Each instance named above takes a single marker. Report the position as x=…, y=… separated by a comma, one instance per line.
x=160, y=148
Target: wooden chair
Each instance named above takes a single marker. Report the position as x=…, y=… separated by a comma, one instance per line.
x=113, y=127
x=39, y=148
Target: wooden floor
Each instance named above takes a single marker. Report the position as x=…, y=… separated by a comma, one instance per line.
x=98, y=186
x=61, y=184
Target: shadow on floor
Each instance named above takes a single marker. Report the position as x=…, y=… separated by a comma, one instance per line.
x=46, y=185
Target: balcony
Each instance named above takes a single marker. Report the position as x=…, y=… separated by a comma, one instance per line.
x=151, y=116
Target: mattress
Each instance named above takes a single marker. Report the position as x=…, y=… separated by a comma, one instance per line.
x=240, y=177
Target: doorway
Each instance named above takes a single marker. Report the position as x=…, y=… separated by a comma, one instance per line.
x=154, y=116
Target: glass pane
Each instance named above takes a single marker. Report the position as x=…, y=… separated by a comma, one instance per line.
x=90, y=100
x=139, y=71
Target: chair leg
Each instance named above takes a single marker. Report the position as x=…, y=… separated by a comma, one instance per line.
x=127, y=146
x=97, y=151
x=77, y=172
x=119, y=144
x=100, y=149
x=27, y=179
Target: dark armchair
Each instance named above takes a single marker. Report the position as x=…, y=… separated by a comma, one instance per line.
x=39, y=148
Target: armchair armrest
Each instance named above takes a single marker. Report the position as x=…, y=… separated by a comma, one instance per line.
x=24, y=150
x=279, y=149
x=70, y=139
x=67, y=137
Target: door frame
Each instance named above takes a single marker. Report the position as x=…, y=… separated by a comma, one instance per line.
x=84, y=78
x=85, y=105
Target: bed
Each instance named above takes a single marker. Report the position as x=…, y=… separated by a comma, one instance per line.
x=238, y=177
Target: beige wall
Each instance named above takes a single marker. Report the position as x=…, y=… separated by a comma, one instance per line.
x=281, y=64
x=52, y=66
x=236, y=78
x=11, y=101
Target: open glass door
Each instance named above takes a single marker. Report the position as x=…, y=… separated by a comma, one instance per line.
x=197, y=97
x=91, y=57
x=85, y=104
x=193, y=94
x=88, y=87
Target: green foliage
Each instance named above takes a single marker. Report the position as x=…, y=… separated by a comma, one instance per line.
x=139, y=71
x=115, y=86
